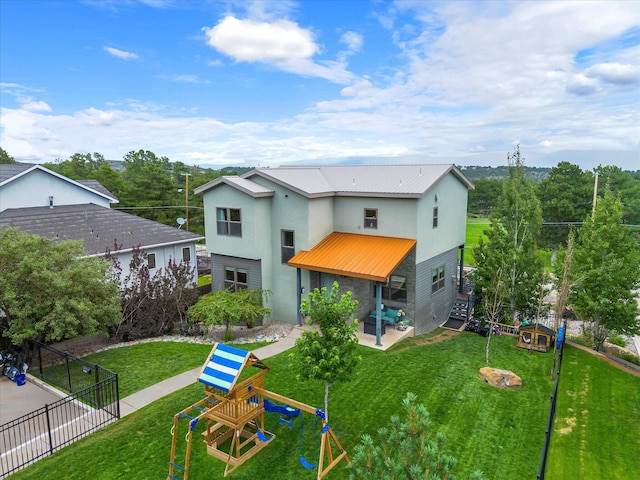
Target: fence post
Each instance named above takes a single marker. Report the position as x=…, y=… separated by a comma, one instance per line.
x=46, y=409
x=66, y=357
x=97, y=374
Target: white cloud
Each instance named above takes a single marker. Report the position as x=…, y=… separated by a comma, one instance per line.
x=615, y=73
x=120, y=53
x=185, y=78
x=352, y=40
x=35, y=106
x=582, y=85
x=280, y=43
x=252, y=41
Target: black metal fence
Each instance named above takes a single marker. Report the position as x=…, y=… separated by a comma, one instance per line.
x=93, y=403
x=552, y=411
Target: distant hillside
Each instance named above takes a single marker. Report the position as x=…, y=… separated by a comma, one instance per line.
x=475, y=172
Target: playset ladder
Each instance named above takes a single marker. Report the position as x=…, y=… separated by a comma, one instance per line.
x=193, y=414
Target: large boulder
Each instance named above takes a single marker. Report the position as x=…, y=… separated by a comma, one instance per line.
x=500, y=378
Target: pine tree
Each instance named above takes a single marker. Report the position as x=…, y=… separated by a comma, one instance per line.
x=606, y=271
x=404, y=450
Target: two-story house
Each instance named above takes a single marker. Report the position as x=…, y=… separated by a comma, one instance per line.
x=391, y=234
x=37, y=200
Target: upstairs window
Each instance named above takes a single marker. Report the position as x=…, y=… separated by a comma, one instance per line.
x=435, y=217
x=235, y=279
x=371, y=218
x=437, y=279
x=287, y=245
x=228, y=222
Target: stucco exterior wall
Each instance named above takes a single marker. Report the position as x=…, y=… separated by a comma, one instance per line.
x=163, y=255
x=34, y=189
x=396, y=216
x=452, y=218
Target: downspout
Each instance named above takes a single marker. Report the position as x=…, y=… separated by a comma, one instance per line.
x=378, y=314
x=461, y=286
x=299, y=295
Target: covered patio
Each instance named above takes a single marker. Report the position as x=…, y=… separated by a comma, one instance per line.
x=365, y=257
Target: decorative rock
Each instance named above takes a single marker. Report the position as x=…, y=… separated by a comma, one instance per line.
x=500, y=378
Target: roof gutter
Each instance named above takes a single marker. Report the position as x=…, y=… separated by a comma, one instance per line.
x=145, y=247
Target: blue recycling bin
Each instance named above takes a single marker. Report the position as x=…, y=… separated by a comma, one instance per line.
x=21, y=379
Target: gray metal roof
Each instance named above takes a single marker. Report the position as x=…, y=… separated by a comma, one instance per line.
x=369, y=180
x=403, y=181
x=98, y=227
x=247, y=186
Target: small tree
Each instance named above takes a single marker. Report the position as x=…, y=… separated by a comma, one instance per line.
x=605, y=272
x=50, y=292
x=227, y=308
x=562, y=286
x=152, y=304
x=515, y=225
x=404, y=450
x=329, y=354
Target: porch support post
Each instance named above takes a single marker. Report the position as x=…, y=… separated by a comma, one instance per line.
x=378, y=314
x=299, y=295
x=460, y=285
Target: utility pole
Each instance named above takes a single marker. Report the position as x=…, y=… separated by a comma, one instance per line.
x=595, y=197
x=186, y=200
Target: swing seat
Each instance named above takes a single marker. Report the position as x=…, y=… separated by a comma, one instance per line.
x=263, y=437
x=305, y=464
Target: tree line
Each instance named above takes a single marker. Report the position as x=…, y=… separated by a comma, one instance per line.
x=601, y=278
x=566, y=197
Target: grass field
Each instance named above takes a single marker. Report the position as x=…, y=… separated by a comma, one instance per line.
x=475, y=229
x=499, y=432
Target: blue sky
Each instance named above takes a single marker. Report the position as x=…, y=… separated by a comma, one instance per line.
x=270, y=83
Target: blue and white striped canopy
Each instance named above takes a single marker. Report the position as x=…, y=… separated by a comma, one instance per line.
x=224, y=367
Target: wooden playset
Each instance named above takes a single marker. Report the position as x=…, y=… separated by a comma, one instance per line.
x=233, y=409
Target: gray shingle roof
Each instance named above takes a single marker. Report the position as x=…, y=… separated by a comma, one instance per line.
x=98, y=227
x=98, y=187
x=10, y=170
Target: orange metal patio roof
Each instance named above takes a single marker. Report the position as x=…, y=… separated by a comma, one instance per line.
x=353, y=255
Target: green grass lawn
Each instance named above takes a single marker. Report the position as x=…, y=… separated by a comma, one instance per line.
x=475, y=227
x=499, y=432
x=168, y=359
x=596, y=432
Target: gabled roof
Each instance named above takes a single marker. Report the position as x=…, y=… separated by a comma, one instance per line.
x=12, y=171
x=370, y=257
x=242, y=184
x=224, y=365
x=98, y=227
x=540, y=328
x=401, y=181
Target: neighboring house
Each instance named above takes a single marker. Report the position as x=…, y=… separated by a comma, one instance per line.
x=36, y=200
x=391, y=234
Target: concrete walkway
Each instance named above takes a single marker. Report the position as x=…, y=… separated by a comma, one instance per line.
x=149, y=395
